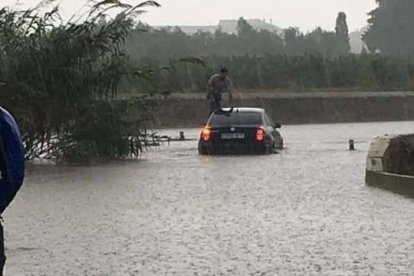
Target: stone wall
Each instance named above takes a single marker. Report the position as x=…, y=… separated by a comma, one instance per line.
x=297, y=108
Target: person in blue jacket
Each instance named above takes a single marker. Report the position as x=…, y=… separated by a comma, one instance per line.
x=12, y=168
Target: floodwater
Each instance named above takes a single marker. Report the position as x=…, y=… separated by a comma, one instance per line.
x=305, y=211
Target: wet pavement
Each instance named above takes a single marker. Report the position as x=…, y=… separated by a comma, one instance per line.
x=305, y=211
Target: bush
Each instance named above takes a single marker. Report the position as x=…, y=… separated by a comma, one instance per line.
x=61, y=82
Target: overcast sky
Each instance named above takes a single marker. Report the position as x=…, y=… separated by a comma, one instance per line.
x=305, y=14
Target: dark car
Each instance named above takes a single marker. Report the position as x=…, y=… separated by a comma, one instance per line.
x=240, y=130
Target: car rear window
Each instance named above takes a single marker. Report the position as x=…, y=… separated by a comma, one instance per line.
x=236, y=118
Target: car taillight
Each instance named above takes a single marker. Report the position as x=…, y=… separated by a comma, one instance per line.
x=206, y=134
x=260, y=134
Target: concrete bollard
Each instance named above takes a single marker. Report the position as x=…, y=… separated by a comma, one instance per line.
x=182, y=136
x=351, y=145
x=389, y=164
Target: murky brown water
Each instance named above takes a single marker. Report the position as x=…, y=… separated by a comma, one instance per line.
x=305, y=211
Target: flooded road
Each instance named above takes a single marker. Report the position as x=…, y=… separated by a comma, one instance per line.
x=305, y=211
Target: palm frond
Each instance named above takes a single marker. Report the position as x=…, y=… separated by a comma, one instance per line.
x=192, y=60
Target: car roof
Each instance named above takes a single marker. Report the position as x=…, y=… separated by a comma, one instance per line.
x=243, y=109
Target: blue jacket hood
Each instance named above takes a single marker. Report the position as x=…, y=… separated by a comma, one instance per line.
x=12, y=161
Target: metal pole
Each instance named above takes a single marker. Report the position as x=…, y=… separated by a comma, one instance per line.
x=182, y=136
x=351, y=145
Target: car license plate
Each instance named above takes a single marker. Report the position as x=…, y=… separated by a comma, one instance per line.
x=228, y=136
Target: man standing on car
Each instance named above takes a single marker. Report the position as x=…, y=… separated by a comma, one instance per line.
x=12, y=169
x=217, y=85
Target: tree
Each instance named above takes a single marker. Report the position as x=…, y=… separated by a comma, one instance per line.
x=292, y=37
x=244, y=29
x=342, y=34
x=391, y=28
x=61, y=82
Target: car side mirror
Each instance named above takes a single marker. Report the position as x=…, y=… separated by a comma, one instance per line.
x=277, y=125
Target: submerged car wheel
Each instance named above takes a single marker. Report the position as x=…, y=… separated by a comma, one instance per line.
x=268, y=147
